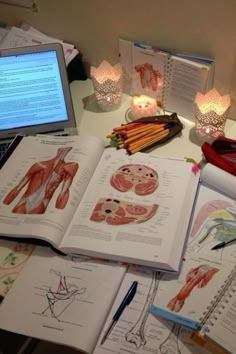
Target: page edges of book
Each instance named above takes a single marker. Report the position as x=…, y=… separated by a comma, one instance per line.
x=218, y=179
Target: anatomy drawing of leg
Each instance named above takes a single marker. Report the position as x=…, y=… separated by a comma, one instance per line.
x=196, y=277
x=170, y=345
x=136, y=333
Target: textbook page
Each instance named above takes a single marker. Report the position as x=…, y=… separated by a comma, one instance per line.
x=42, y=184
x=138, y=331
x=214, y=218
x=186, y=78
x=187, y=297
x=136, y=209
x=67, y=299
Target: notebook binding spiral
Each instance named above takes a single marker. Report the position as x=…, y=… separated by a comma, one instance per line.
x=166, y=80
x=219, y=302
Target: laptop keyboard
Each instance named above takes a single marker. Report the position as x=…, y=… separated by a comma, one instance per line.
x=3, y=148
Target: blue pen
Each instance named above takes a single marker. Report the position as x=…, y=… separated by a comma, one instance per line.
x=126, y=301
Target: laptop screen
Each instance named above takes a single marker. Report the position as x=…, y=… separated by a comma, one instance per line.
x=33, y=92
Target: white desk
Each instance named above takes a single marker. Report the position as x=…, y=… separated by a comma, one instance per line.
x=92, y=121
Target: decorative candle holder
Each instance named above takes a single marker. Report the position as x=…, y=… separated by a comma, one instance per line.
x=107, y=82
x=143, y=106
x=211, y=110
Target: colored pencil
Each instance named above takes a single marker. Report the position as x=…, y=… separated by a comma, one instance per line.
x=137, y=148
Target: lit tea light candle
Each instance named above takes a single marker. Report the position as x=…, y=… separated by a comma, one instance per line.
x=143, y=106
x=211, y=112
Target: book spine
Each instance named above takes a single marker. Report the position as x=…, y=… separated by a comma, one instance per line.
x=166, y=81
x=219, y=301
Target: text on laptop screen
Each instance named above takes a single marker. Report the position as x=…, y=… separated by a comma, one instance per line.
x=31, y=91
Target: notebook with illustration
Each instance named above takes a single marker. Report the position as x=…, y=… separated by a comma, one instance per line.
x=171, y=78
x=191, y=298
x=35, y=94
x=220, y=329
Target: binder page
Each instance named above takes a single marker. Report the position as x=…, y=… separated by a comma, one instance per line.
x=137, y=330
x=223, y=330
x=62, y=300
x=186, y=78
x=214, y=218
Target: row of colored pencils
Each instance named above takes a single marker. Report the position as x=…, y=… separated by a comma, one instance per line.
x=138, y=136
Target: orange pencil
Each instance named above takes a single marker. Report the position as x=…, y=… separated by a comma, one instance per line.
x=126, y=126
x=147, y=138
x=144, y=128
x=141, y=147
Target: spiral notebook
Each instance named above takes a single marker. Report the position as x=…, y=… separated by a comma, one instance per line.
x=220, y=327
x=193, y=298
x=171, y=78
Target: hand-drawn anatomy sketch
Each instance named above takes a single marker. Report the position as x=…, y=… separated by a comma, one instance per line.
x=196, y=277
x=117, y=212
x=149, y=77
x=140, y=179
x=61, y=298
x=43, y=178
x=136, y=334
x=215, y=221
x=171, y=342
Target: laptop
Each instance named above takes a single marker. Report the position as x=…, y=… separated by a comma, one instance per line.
x=35, y=94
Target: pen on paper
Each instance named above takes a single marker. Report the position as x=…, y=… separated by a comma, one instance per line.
x=223, y=244
x=125, y=302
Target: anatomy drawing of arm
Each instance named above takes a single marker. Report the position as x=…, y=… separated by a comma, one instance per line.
x=70, y=170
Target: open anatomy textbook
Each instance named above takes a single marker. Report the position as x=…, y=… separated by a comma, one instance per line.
x=88, y=200
x=73, y=300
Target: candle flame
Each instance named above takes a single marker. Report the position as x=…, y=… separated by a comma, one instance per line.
x=212, y=101
x=105, y=71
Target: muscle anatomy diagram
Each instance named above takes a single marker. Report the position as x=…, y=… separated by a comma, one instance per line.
x=117, y=212
x=140, y=179
x=215, y=222
x=196, y=277
x=61, y=298
x=43, y=178
x=149, y=77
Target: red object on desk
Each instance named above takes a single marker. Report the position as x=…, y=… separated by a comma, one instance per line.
x=221, y=153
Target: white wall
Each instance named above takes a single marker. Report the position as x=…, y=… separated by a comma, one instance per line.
x=203, y=27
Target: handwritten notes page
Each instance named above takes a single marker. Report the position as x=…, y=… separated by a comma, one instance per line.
x=135, y=208
x=138, y=331
x=62, y=300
